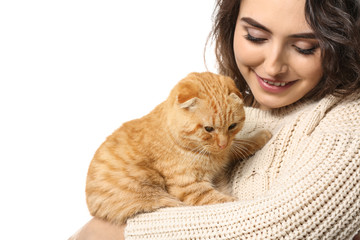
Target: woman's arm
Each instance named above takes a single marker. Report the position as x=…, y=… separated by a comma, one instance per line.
x=97, y=229
x=319, y=198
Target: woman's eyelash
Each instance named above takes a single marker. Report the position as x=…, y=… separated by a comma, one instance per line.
x=254, y=39
x=309, y=51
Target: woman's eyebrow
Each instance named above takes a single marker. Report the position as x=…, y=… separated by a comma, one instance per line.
x=303, y=35
x=254, y=23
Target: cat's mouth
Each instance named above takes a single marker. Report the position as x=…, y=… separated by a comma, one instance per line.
x=217, y=150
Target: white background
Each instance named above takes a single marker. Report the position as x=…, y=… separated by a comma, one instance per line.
x=71, y=72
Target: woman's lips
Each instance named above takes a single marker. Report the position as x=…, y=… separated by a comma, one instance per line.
x=282, y=84
x=272, y=85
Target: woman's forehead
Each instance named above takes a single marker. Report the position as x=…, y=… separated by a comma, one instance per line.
x=277, y=15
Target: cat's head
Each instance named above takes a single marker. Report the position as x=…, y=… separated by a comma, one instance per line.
x=206, y=112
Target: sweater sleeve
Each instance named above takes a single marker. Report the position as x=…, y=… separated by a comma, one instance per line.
x=318, y=197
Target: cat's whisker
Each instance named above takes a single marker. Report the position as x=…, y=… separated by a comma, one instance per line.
x=250, y=143
x=191, y=154
x=199, y=155
x=198, y=149
x=238, y=153
x=246, y=141
x=240, y=150
x=202, y=153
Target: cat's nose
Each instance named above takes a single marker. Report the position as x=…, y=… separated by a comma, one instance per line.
x=222, y=146
x=222, y=142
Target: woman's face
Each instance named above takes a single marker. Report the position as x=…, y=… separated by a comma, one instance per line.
x=276, y=51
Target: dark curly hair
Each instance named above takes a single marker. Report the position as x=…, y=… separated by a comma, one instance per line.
x=336, y=24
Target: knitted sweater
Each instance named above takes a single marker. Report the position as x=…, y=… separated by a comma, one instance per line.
x=304, y=184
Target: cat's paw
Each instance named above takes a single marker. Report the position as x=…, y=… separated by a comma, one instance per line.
x=227, y=199
x=261, y=138
x=222, y=199
x=265, y=135
x=170, y=202
x=214, y=197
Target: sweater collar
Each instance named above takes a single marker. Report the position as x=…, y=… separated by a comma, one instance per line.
x=315, y=112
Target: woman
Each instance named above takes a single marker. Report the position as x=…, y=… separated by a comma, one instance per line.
x=297, y=62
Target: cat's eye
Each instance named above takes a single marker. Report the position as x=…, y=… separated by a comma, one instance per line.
x=232, y=126
x=209, y=129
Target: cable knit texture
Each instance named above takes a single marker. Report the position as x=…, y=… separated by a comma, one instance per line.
x=304, y=184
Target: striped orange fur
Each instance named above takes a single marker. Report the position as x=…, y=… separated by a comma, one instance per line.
x=176, y=155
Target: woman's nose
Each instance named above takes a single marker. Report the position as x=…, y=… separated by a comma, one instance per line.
x=276, y=62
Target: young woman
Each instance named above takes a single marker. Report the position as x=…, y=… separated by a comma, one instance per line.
x=297, y=62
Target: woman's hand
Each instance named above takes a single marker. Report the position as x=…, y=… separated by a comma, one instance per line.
x=357, y=237
x=97, y=229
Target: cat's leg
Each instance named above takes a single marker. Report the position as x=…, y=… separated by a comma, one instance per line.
x=119, y=197
x=243, y=148
x=148, y=200
x=200, y=193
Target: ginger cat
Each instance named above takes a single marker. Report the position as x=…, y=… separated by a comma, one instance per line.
x=176, y=155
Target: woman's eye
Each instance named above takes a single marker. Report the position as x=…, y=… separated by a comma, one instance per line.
x=254, y=39
x=232, y=126
x=308, y=51
x=209, y=129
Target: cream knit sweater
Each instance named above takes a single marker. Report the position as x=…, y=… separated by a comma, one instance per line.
x=304, y=184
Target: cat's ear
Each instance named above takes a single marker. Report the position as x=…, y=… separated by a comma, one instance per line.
x=233, y=90
x=237, y=97
x=189, y=104
x=187, y=95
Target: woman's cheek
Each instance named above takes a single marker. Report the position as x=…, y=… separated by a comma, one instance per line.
x=246, y=53
x=307, y=67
